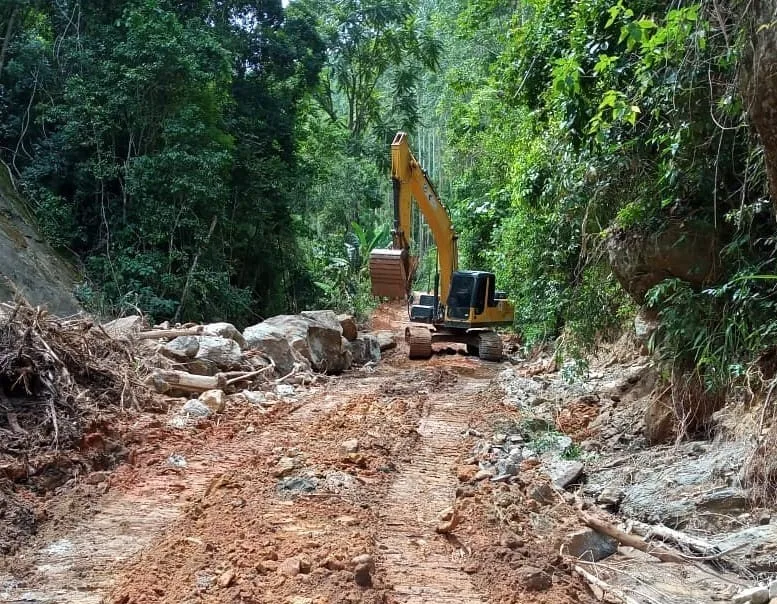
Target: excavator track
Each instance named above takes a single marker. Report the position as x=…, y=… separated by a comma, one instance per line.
x=490, y=346
x=419, y=341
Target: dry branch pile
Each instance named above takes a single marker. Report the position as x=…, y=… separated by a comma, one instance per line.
x=57, y=378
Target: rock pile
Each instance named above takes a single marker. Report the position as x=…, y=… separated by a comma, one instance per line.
x=214, y=359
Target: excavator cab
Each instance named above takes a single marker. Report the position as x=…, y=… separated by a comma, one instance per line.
x=473, y=301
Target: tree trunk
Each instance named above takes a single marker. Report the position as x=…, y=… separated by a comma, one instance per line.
x=759, y=82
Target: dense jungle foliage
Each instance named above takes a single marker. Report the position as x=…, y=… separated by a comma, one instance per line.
x=228, y=159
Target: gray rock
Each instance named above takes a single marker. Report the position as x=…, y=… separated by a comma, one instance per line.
x=385, y=339
x=295, y=485
x=506, y=467
x=222, y=351
x=324, y=317
x=645, y=324
x=752, y=547
x=610, y=496
x=773, y=589
x=183, y=346
x=326, y=349
x=284, y=390
x=364, y=349
x=589, y=545
x=274, y=345
x=195, y=408
x=563, y=472
x=224, y=330
x=314, y=336
x=724, y=501
x=754, y=595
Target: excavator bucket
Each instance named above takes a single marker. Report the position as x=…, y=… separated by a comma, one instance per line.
x=389, y=273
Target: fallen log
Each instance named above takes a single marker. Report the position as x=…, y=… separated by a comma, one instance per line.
x=157, y=334
x=694, y=544
x=605, y=587
x=662, y=553
x=165, y=380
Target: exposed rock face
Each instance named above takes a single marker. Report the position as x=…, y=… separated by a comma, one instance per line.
x=685, y=250
x=27, y=263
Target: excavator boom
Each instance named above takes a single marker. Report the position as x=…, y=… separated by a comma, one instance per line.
x=392, y=270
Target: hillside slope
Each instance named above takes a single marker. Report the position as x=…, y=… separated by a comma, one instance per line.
x=29, y=265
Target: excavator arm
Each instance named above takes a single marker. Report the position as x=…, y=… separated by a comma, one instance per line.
x=392, y=269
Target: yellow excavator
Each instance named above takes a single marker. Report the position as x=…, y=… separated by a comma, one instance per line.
x=465, y=304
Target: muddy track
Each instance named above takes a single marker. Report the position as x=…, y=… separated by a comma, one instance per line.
x=423, y=571
x=223, y=530
x=80, y=566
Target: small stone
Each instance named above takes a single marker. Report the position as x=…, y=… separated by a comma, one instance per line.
x=534, y=579
x=564, y=474
x=213, y=400
x=773, y=589
x=610, y=496
x=764, y=518
x=285, y=466
x=466, y=473
x=305, y=565
x=471, y=567
x=349, y=447
x=300, y=600
x=465, y=491
x=505, y=467
x=543, y=494
x=97, y=477
x=195, y=408
x=284, y=390
x=362, y=574
x=290, y=567
x=754, y=595
x=268, y=566
x=226, y=578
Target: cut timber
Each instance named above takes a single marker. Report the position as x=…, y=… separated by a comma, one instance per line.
x=166, y=380
x=694, y=544
x=419, y=340
x=490, y=346
x=156, y=334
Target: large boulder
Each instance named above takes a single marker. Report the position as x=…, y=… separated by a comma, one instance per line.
x=687, y=250
x=182, y=347
x=271, y=342
x=314, y=335
x=325, y=317
x=224, y=352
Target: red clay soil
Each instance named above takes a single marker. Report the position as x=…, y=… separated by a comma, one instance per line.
x=334, y=498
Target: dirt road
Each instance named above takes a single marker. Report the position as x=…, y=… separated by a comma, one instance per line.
x=338, y=494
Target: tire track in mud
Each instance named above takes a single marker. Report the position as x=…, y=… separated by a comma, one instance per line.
x=422, y=567
x=79, y=566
